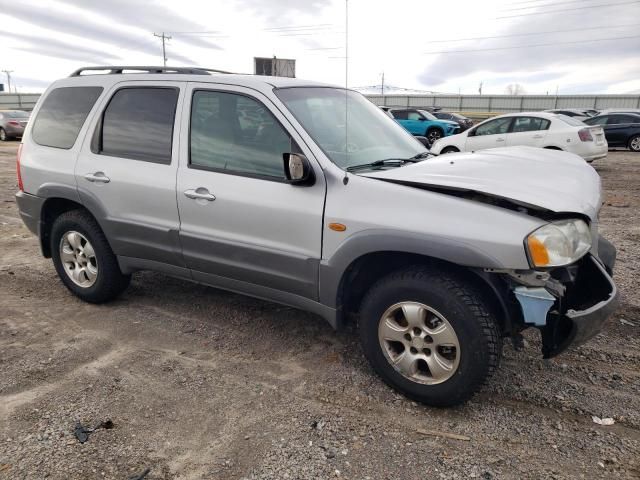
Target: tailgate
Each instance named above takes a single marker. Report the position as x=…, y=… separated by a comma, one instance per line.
x=598, y=135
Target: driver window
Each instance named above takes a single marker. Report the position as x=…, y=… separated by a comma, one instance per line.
x=494, y=127
x=414, y=116
x=232, y=132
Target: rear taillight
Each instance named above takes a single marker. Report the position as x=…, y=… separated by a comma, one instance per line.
x=13, y=122
x=585, y=135
x=20, y=184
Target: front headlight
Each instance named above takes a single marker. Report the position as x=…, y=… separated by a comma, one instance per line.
x=559, y=243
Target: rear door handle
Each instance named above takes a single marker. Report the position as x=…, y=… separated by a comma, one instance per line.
x=97, y=177
x=199, y=194
x=537, y=136
x=499, y=139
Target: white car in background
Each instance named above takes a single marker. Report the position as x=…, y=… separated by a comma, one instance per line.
x=535, y=129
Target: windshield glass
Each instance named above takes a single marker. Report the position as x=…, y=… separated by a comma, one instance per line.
x=428, y=115
x=371, y=135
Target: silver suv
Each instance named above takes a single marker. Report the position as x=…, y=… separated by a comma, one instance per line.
x=309, y=195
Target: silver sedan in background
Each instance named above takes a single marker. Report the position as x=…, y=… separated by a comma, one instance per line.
x=12, y=123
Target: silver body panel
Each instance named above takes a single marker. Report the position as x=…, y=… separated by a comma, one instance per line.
x=271, y=239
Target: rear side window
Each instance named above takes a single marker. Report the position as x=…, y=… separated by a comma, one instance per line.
x=529, y=124
x=138, y=124
x=62, y=115
x=399, y=114
x=571, y=121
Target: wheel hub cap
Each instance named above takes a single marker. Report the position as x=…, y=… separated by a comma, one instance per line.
x=419, y=343
x=78, y=259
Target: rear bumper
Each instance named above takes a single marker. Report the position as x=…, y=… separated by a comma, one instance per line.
x=30, y=207
x=14, y=131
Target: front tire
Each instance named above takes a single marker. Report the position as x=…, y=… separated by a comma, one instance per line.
x=83, y=258
x=634, y=143
x=429, y=335
x=3, y=135
x=433, y=134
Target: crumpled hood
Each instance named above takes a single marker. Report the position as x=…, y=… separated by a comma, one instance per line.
x=548, y=179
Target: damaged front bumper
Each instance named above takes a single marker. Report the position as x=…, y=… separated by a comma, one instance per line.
x=575, y=313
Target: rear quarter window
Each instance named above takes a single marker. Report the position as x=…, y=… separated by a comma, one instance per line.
x=62, y=115
x=570, y=121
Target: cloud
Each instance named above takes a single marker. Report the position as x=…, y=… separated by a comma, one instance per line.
x=56, y=48
x=82, y=26
x=149, y=16
x=277, y=9
x=511, y=57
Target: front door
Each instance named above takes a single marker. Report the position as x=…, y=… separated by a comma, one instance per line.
x=490, y=134
x=242, y=225
x=126, y=170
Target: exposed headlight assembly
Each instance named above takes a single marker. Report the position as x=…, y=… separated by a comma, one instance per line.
x=558, y=243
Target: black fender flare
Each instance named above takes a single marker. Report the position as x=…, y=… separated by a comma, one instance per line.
x=362, y=243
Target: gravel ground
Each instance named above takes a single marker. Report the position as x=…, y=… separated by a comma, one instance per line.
x=202, y=383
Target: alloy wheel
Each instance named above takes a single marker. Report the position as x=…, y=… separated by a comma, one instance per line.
x=419, y=343
x=78, y=259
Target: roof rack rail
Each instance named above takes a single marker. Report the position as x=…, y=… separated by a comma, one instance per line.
x=110, y=70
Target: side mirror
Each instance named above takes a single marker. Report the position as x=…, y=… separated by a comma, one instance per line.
x=424, y=141
x=297, y=169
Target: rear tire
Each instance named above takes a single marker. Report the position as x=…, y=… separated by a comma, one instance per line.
x=416, y=353
x=449, y=150
x=634, y=143
x=89, y=267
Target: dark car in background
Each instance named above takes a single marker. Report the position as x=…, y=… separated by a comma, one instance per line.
x=464, y=122
x=620, y=129
x=12, y=123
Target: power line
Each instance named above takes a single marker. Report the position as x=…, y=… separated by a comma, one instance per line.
x=601, y=5
x=552, y=4
x=534, y=33
x=534, y=45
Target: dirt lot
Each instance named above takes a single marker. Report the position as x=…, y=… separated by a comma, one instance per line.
x=201, y=383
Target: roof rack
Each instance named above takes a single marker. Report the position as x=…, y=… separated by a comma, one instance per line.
x=110, y=70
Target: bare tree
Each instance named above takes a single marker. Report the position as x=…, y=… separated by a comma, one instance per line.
x=515, y=89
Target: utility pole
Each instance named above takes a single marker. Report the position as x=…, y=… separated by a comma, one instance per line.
x=8, y=72
x=382, y=85
x=164, y=52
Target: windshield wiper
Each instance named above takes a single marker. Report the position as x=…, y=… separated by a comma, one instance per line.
x=391, y=162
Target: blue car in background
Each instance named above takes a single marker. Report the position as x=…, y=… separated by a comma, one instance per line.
x=421, y=122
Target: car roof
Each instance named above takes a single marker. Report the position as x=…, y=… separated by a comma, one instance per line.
x=256, y=82
x=547, y=115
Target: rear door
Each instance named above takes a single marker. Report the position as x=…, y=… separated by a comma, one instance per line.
x=126, y=170
x=490, y=134
x=618, y=129
x=529, y=131
x=242, y=226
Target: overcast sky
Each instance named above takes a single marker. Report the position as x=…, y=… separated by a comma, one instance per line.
x=577, y=46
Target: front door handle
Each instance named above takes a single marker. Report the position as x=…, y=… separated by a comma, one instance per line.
x=499, y=139
x=98, y=177
x=537, y=136
x=199, y=194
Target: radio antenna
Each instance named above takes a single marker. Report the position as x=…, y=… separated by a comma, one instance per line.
x=346, y=84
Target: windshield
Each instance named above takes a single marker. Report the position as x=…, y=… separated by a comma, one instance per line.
x=371, y=135
x=428, y=115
